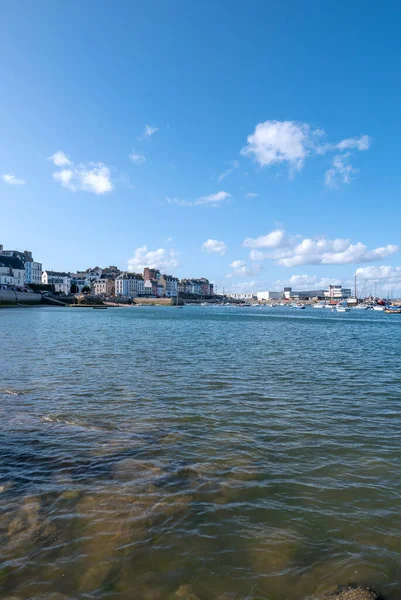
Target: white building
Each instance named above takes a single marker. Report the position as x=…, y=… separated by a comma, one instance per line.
x=130, y=285
x=337, y=292
x=60, y=280
x=269, y=295
x=242, y=296
x=12, y=271
x=33, y=272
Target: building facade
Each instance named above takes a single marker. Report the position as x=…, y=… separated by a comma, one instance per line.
x=12, y=271
x=33, y=272
x=242, y=296
x=150, y=288
x=198, y=287
x=151, y=274
x=130, y=285
x=105, y=286
x=270, y=295
x=79, y=281
x=170, y=286
x=59, y=279
x=111, y=271
x=337, y=292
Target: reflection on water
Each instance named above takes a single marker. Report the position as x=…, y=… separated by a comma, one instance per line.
x=208, y=453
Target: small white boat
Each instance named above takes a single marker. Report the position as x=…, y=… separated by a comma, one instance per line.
x=361, y=306
x=378, y=307
x=298, y=305
x=319, y=305
x=342, y=309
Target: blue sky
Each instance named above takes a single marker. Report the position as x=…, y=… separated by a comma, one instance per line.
x=268, y=131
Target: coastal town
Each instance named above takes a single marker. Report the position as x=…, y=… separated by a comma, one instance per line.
x=19, y=272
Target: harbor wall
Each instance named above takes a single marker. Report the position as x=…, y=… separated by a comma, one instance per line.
x=156, y=301
x=10, y=298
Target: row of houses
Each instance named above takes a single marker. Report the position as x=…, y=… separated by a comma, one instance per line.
x=155, y=284
x=112, y=282
x=18, y=269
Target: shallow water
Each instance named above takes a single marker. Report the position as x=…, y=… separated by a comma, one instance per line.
x=212, y=453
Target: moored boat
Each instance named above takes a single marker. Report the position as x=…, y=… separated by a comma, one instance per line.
x=342, y=309
x=393, y=310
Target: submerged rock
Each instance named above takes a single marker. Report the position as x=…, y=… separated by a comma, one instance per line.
x=184, y=592
x=29, y=524
x=354, y=593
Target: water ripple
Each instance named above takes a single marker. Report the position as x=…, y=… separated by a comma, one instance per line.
x=204, y=454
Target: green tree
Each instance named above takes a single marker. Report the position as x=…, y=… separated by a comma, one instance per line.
x=86, y=289
x=74, y=288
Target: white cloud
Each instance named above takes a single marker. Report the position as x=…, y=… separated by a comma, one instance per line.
x=148, y=132
x=251, y=195
x=242, y=269
x=234, y=165
x=388, y=279
x=244, y=287
x=12, y=179
x=158, y=259
x=65, y=178
x=358, y=253
x=280, y=142
x=340, y=171
x=291, y=251
x=257, y=255
x=237, y=264
x=362, y=143
x=211, y=200
x=137, y=158
x=382, y=272
x=271, y=240
x=95, y=177
x=214, y=246
x=291, y=142
x=59, y=159
x=92, y=177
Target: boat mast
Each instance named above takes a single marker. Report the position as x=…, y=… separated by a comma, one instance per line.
x=355, y=286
